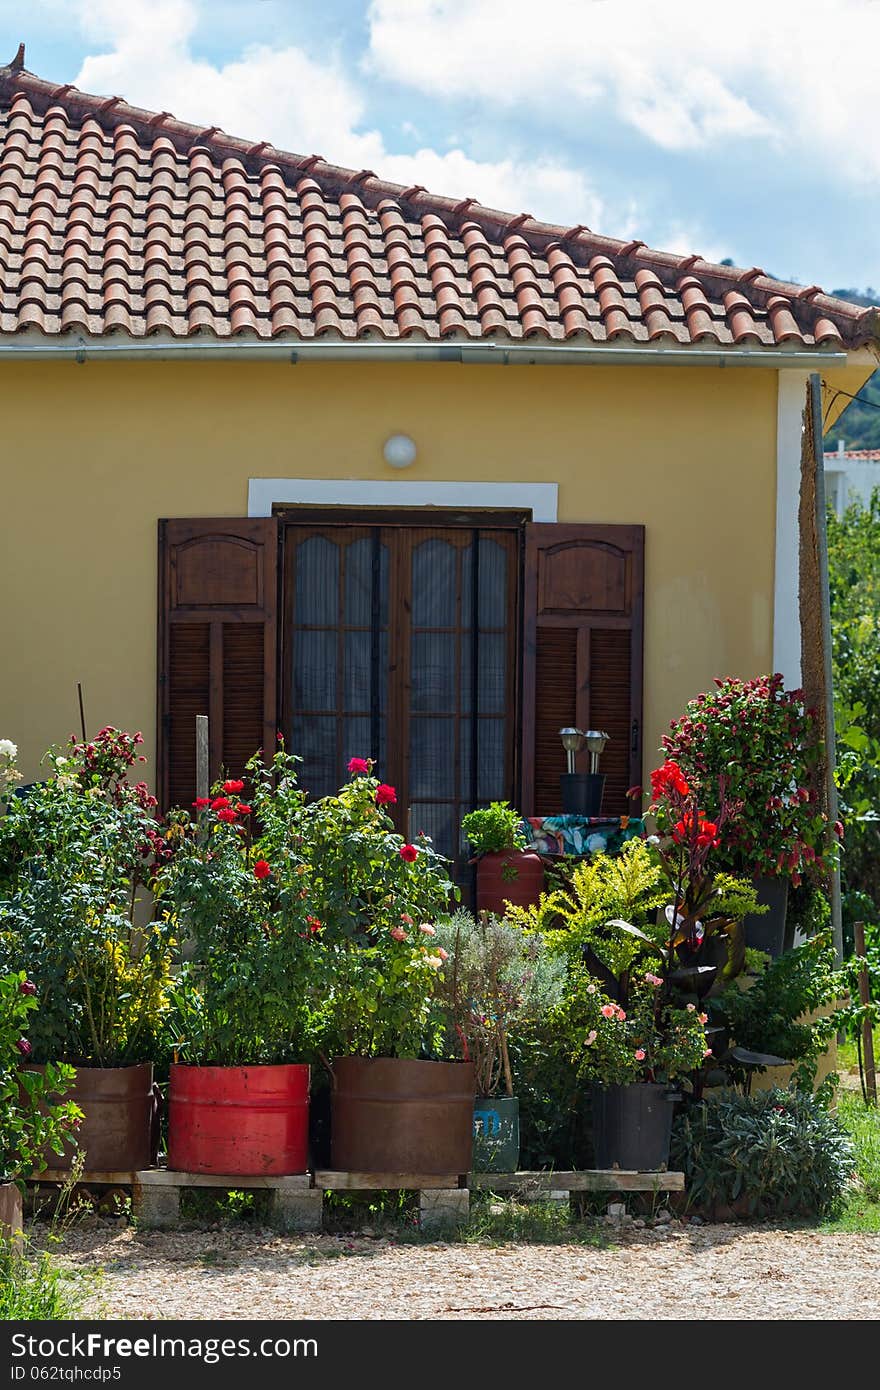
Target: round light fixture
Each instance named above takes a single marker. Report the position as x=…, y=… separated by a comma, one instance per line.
x=399, y=451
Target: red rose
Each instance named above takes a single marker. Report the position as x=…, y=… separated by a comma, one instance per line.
x=233, y=787
x=24, y=1047
x=314, y=924
x=27, y=987
x=202, y=803
x=358, y=766
x=262, y=869
x=220, y=803
x=385, y=795
x=409, y=853
x=242, y=809
x=226, y=814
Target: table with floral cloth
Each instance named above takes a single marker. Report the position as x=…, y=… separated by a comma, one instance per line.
x=581, y=835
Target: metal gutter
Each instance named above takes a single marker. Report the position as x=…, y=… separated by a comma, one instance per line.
x=506, y=354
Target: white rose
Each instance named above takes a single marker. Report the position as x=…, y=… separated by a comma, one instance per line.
x=8, y=749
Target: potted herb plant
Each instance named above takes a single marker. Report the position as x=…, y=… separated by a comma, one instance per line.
x=394, y=1107
x=76, y=852
x=763, y=741
x=507, y=872
x=244, y=1002
x=498, y=979
x=31, y=1125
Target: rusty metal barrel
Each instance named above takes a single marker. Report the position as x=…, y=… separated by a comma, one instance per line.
x=397, y=1115
x=118, y=1105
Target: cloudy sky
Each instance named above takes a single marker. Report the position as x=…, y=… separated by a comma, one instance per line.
x=745, y=130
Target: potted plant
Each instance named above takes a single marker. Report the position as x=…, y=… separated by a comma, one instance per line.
x=765, y=743
x=498, y=979
x=394, y=1107
x=507, y=872
x=76, y=852
x=244, y=1002
x=30, y=1124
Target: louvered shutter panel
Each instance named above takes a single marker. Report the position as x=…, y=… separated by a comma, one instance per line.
x=217, y=646
x=582, y=656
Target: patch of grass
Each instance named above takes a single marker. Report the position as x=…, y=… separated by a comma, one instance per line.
x=210, y=1204
x=495, y=1221
x=847, y=1053
x=862, y=1209
x=33, y=1286
x=374, y=1213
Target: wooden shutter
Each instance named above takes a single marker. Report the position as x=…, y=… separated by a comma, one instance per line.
x=582, y=656
x=217, y=646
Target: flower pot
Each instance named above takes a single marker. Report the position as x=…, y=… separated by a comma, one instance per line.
x=240, y=1121
x=11, y=1215
x=395, y=1115
x=767, y=932
x=632, y=1125
x=508, y=876
x=582, y=793
x=496, y=1134
x=117, y=1130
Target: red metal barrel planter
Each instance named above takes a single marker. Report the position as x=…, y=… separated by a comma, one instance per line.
x=118, y=1105
x=395, y=1115
x=515, y=876
x=244, y=1121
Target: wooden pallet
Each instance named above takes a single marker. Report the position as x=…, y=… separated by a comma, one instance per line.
x=297, y=1201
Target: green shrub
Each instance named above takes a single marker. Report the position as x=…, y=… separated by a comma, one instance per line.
x=773, y=1153
x=494, y=828
x=36, y=1288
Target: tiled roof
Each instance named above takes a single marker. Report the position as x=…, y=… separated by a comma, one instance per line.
x=118, y=219
x=851, y=456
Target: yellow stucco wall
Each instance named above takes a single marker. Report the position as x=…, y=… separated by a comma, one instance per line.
x=94, y=454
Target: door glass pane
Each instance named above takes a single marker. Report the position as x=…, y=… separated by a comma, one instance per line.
x=314, y=740
x=434, y=584
x=438, y=822
x=432, y=758
x=317, y=582
x=359, y=582
x=491, y=778
x=433, y=675
x=493, y=584
x=356, y=691
x=314, y=670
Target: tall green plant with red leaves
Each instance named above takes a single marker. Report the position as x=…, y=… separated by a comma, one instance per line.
x=762, y=740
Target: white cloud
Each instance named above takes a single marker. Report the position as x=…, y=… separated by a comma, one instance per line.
x=303, y=105
x=687, y=76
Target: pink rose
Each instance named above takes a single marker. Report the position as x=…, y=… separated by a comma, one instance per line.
x=398, y=934
x=358, y=767
x=427, y=929
x=608, y=1010
x=444, y=955
x=590, y=1038
x=640, y=1054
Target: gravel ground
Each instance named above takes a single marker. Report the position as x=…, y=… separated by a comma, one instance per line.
x=671, y=1272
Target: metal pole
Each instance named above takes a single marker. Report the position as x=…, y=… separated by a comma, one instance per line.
x=815, y=402
x=202, y=773
x=867, y=1031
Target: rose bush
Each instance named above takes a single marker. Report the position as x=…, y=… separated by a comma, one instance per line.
x=764, y=743
x=32, y=1117
x=77, y=852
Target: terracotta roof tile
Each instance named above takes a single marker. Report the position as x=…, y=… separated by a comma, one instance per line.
x=117, y=219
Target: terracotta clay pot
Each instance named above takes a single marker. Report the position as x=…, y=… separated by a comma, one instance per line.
x=396, y=1115
x=117, y=1130
x=508, y=876
x=11, y=1217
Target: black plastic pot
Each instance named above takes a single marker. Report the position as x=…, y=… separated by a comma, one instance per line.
x=582, y=793
x=632, y=1126
x=496, y=1134
x=769, y=931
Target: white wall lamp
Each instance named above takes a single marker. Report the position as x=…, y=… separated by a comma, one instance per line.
x=399, y=451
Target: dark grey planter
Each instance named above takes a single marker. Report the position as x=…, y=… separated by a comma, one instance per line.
x=770, y=931
x=496, y=1134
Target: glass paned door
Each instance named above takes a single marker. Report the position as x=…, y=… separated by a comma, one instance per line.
x=386, y=627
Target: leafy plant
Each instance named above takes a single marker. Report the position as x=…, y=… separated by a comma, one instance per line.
x=248, y=993
x=764, y=743
x=497, y=979
x=376, y=897
x=770, y=1016
x=772, y=1153
x=75, y=851
x=31, y=1117
x=494, y=829
x=649, y=1040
